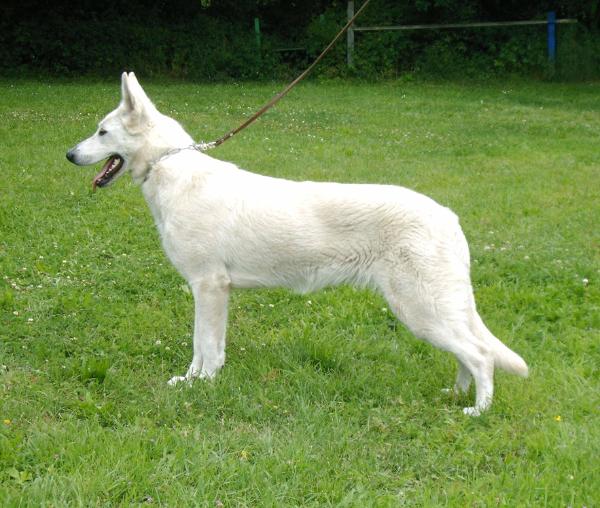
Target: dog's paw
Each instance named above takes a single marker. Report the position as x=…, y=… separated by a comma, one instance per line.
x=455, y=391
x=191, y=375
x=178, y=379
x=471, y=411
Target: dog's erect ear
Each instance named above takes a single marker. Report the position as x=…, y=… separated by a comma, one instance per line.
x=133, y=97
x=127, y=98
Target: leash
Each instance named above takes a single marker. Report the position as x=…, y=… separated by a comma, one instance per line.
x=204, y=146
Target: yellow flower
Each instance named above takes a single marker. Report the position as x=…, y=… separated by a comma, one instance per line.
x=557, y=418
x=6, y=421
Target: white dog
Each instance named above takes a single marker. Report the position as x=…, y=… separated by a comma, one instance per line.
x=225, y=228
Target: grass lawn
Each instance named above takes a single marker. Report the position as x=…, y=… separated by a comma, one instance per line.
x=325, y=400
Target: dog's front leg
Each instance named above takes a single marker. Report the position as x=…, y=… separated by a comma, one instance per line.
x=211, y=295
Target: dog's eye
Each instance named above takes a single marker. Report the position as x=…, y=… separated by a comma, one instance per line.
x=101, y=132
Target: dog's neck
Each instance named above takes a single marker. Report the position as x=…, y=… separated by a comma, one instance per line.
x=142, y=170
x=163, y=143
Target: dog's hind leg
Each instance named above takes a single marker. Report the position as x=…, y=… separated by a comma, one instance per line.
x=478, y=360
x=443, y=322
x=211, y=296
x=463, y=381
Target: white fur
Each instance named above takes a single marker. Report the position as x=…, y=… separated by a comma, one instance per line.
x=225, y=228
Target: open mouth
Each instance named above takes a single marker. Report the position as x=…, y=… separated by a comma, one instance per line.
x=110, y=169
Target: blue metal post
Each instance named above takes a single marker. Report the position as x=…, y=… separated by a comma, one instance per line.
x=552, y=36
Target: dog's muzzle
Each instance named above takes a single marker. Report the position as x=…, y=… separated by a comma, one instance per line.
x=71, y=156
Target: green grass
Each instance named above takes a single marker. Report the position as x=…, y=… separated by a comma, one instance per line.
x=325, y=400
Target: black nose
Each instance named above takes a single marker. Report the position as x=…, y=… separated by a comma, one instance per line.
x=70, y=156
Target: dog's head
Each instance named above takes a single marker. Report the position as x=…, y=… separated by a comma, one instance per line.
x=121, y=136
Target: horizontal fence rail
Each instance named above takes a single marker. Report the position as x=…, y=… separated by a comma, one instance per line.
x=459, y=25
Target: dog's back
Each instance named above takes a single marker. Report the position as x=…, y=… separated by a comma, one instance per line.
x=304, y=235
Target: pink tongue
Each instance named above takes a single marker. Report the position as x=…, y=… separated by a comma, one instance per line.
x=99, y=176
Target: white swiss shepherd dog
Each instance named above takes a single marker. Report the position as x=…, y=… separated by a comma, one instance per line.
x=223, y=228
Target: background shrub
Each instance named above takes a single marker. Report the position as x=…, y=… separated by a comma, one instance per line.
x=215, y=40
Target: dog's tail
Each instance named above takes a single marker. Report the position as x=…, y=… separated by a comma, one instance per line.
x=504, y=357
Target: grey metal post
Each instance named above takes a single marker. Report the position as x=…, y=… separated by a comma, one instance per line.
x=350, y=35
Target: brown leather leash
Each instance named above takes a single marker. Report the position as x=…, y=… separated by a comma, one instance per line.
x=213, y=144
